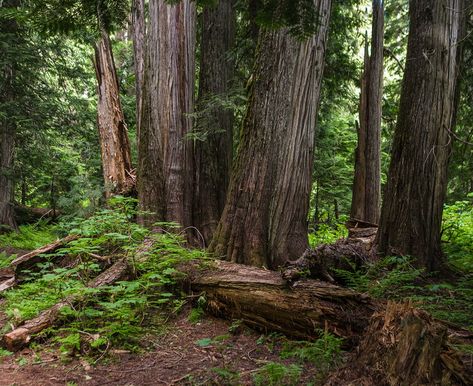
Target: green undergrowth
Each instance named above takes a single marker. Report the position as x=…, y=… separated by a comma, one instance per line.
x=396, y=278
x=324, y=354
x=29, y=236
x=457, y=234
x=117, y=315
x=328, y=234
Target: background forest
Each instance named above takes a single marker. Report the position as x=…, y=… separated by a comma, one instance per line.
x=270, y=133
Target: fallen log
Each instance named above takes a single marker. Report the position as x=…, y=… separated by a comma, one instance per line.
x=33, y=257
x=20, y=336
x=394, y=344
x=264, y=300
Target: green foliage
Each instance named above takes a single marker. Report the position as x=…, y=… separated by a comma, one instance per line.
x=325, y=352
x=396, y=278
x=29, y=236
x=226, y=376
x=110, y=315
x=326, y=234
x=389, y=277
x=457, y=233
x=4, y=353
x=275, y=374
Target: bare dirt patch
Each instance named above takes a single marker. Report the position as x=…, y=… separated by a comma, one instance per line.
x=181, y=356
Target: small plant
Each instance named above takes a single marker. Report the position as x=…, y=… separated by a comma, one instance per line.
x=226, y=376
x=325, y=352
x=275, y=374
x=326, y=234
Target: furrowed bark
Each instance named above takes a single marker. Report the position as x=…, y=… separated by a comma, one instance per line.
x=366, y=199
x=214, y=124
x=139, y=33
x=114, y=143
x=165, y=152
x=9, y=28
x=21, y=335
x=411, y=215
x=264, y=222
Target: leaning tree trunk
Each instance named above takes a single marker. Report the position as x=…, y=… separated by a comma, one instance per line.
x=139, y=33
x=165, y=152
x=9, y=32
x=114, y=143
x=412, y=210
x=214, y=125
x=366, y=199
x=265, y=217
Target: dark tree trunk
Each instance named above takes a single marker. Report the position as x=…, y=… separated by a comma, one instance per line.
x=165, y=153
x=264, y=222
x=9, y=32
x=367, y=184
x=411, y=216
x=214, y=126
x=114, y=143
x=139, y=33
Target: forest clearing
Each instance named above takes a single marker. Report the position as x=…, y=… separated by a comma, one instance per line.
x=236, y=192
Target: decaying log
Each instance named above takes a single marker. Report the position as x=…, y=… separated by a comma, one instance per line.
x=21, y=335
x=263, y=299
x=324, y=261
x=403, y=346
x=33, y=257
x=398, y=344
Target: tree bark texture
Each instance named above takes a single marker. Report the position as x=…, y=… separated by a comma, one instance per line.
x=165, y=153
x=366, y=199
x=214, y=125
x=264, y=222
x=9, y=32
x=139, y=34
x=411, y=215
x=114, y=143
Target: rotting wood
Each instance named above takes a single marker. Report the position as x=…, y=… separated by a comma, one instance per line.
x=391, y=344
x=21, y=336
x=403, y=346
x=264, y=300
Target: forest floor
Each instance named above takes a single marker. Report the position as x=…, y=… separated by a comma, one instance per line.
x=186, y=353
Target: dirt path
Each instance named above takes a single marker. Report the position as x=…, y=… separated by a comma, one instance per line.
x=176, y=358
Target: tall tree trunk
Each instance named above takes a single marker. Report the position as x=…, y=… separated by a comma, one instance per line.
x=139, y=33
x=9, y=32
x=367, y=184
x=411, y=216
x=165, y=153
x=114, y=143
x=213, y=152
x=264, y=222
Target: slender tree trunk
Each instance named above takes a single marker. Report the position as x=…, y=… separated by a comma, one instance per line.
x=264, y=222
x=9, y=32
x=139, y=33
x=165, y=153
x=367, y=184
x=411, y=216
x=114, y=143
x=214, y=126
